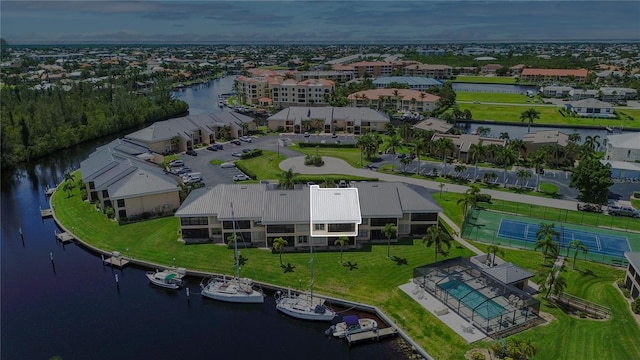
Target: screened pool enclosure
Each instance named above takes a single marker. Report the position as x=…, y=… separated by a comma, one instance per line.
x=478, y=297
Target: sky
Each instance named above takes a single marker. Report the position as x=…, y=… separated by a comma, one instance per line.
x=318, y=21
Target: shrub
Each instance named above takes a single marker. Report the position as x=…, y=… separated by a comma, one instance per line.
x=486, y=198
x=476, y=355
x=636, y=194
x=620, y=283
x=626, y=292
x=109, y=212
x=252, y=154
x=635, y=306
x=313, y=160
x=246, y=170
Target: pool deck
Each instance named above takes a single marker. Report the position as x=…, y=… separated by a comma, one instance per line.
x=459, y=325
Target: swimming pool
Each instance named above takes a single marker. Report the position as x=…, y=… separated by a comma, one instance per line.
x=472, y=299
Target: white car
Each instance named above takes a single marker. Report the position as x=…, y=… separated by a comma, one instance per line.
x=236, y=154
x=245, y=139
x=240, y=177
x=227, y=165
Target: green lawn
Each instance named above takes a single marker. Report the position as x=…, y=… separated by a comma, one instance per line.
x=350, y=155
x=485, y=79
x=548, y=115
x=376, y=279
x=491, y=97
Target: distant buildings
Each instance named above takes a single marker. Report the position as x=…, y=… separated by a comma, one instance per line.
x=413, y=82
x=400, y=99
x=327, y=119
x=538, y=139
x=554, y=75
x=439, y=72
x=591, y=108
x=463, y=144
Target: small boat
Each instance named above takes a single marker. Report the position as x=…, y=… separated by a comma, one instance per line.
x=352, y=324
x=167, y=279
x=236, y=290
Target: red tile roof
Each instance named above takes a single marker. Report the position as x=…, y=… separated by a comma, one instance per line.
x=555, y=72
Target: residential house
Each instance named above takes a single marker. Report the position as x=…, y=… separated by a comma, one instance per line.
x=299, y=119
x=434, y=124
x=400, y=99
x=623, y=154
x=463, y=144
x=613, y=94
x=556, y=91
x=263, y=213
x=489, y=69
x=591, y=108
x=537, y=139
x=581, y=94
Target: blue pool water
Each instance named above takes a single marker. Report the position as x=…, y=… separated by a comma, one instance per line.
x=483, y=306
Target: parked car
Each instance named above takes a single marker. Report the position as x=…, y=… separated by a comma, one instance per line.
x=247, y=150
x=176, y=163
x=334, y=135
x=590, y=207
x=193, y=180
x=306, y=134
x=191, y=175
x=227, y=165
x=623, y=211
x=236, y=142
x=183, y=170
x=246, y=139
x=212, y=147
x=236, y=154
x=240, y=177
x=192, y=152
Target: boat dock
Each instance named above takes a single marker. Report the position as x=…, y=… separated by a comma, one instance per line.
x=48, y=191
x=64, y=237
x=116, y=260
x=371, y=335
x=46, y=213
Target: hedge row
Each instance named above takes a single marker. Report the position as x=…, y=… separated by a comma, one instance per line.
x=252, y=154
x=246, y=170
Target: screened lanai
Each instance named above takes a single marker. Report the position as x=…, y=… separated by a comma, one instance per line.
x=478, y=297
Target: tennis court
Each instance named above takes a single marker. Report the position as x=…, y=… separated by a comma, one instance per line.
x=595, y=242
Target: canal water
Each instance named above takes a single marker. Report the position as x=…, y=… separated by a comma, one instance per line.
x=61, y=301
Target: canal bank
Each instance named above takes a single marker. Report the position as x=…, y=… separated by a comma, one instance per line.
x=346, y=304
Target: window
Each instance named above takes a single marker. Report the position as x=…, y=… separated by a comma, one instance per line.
x=281, y=228
x=122, y=214
x=424, y=217
x=201, y=220
x=92, y=186
x=342, y=227
x=105, y=194
x=303, y=239
x=365, y=221
x=121, y=203
x=240, y=224
x=318, y=227
x=363, y=233
x=383, y=221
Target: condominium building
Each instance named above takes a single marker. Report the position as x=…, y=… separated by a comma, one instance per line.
x=327, y=119
x=435, y=71
x=554, y=75
x=263, y=213
x=372, y=68
x=400, y=99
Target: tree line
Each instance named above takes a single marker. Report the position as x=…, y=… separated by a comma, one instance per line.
x=37, y=122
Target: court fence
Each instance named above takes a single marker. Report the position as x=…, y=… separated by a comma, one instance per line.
x=483, y=226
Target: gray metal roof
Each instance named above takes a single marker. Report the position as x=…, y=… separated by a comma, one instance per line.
x=412, y=201
x=328, y=113
x=379, y=199
x=334, y=205
x=114, y=174
x=634, y=259
x=247, y=200
x=508, y=273
x=141, y=182
x=292, y=205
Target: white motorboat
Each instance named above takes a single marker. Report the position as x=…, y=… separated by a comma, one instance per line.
x=237, y=290
x=352, y=324
x=167, y=279
x=304, y=306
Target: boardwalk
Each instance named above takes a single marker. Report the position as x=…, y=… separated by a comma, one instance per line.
x=371, y=335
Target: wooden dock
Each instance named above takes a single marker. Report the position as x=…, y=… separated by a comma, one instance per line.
x=48, y=191
x=46, y=213
x=371, y=335
x=115, y=261
x=64, y=237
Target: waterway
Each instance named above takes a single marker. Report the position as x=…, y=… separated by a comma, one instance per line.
x=61, y=301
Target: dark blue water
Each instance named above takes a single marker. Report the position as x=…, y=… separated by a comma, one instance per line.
x=493, y=88
x=71, y=307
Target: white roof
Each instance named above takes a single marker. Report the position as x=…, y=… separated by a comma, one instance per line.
x=625, y=141
x=334, y=206
x=622, y=165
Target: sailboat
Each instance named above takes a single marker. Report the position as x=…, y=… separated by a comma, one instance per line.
x=304, y=306
x=237, y=290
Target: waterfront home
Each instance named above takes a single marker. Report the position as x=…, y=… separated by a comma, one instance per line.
x=552, y=76
x=400, y=99
x=413, y=82
x=623, y=154
x=264, y=212
x=463, y=144
x=327, y=119
x=434, y=124
x=632, y=277
x=537, y=139
x=591, y=108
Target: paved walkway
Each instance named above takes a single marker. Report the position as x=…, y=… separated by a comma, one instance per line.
x=338, y=166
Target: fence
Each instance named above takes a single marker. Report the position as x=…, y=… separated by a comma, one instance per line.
x=595, y=310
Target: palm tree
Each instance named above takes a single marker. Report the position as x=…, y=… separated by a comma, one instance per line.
x=341, y=241
x=389, y=231
x=554, y=283
x=592, y=141
x=575, y=137
x=279, y=245
x=520, y=349
x=460, y=168
x=175, y=143
x=529, y=115
x=546, y=234
x=69, y=177
x=489, y=177
x=405, y=161
x=494, y=250
x=444, y=145
x=519, y=146
x=504, y=136
x=287, y=179
x=507, y=157
x=68, y=187
x=523, y=174
x=393, y=142
x=406, y=132
x=245, y=128
x=438, y=237
x=483, y=131
x=365, y=144
x=469, y=199
x=420, y=146
x=579, y=246
x=477, y=151
x=389, y=129
x=306, y=124
x=537, y=159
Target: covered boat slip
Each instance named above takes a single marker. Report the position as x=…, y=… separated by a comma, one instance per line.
x=478, y=297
